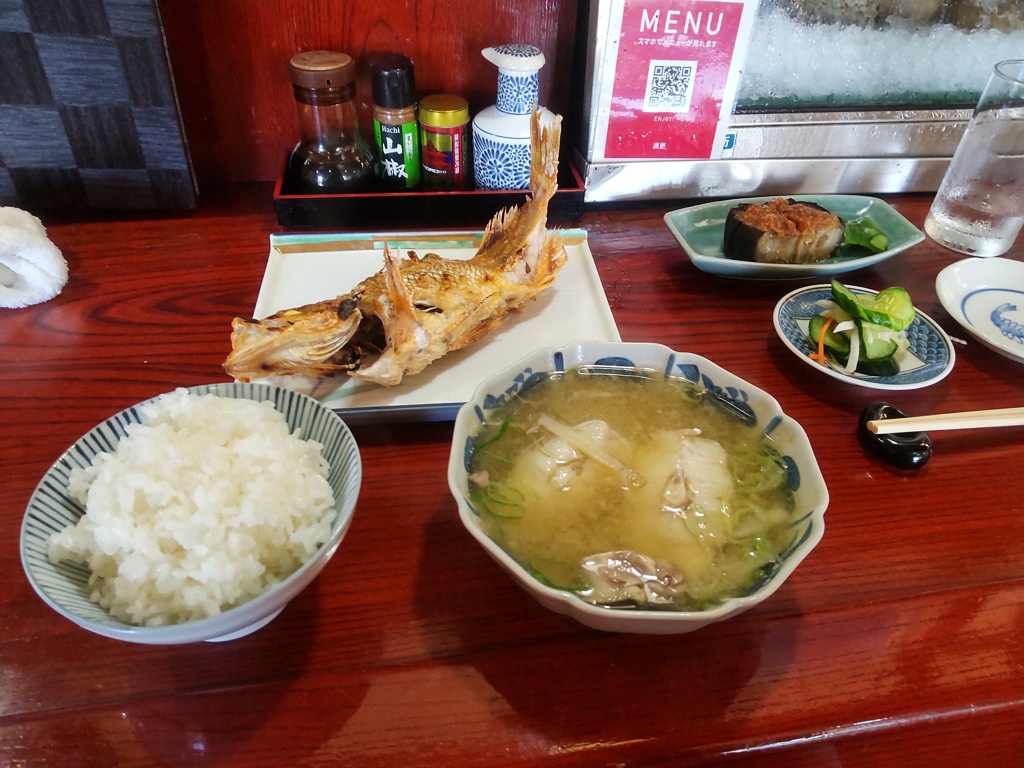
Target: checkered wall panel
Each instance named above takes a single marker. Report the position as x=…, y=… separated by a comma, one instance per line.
x=88, y=117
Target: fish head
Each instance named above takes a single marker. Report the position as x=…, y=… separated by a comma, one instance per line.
x=304, y=342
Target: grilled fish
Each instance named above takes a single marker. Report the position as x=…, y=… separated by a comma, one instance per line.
x=416, y=310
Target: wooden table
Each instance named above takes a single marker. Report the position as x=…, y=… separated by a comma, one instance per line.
x=901, y=637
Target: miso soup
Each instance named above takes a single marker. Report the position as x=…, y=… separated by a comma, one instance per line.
x=632, y=489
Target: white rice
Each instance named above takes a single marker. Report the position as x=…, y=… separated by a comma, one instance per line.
x=204, y=505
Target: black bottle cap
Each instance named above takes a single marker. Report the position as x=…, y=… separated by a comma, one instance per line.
x=393, y=83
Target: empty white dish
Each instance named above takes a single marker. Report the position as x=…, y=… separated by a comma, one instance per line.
x=986, y=297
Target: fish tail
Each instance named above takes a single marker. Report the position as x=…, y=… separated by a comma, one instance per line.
x=545, y=139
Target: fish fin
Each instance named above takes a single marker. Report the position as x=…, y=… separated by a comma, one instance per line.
x=402, y=330
x=552, y=258
x=495, y=229
x=477, y=332
x=397, y=292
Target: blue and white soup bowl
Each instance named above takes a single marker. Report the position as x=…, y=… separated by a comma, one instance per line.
x=750, y=405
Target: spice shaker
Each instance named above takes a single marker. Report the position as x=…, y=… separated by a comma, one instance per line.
x=395, y=128
x=444, y=144
x=330, y=156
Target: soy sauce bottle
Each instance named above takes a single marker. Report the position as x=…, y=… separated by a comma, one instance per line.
x=330, y=156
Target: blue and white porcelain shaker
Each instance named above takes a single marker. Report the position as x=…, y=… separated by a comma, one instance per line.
x=501, y=132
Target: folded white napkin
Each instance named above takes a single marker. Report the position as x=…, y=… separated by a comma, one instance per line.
x=32, y=269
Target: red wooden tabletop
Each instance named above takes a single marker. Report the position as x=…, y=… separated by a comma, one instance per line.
x=899, y=639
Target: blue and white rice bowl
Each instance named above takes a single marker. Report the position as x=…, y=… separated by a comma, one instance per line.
x=756, y=406
x=64, y=586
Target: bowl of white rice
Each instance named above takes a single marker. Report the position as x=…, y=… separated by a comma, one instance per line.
x=194, y=516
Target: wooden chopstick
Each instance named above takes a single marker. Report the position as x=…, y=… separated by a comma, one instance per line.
x=997, y=417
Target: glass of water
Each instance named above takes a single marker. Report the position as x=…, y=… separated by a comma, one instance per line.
x=979, y=208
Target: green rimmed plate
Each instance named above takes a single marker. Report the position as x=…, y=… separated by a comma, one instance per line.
x=700, y=228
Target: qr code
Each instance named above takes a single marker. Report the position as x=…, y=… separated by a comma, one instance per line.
x=669, y=84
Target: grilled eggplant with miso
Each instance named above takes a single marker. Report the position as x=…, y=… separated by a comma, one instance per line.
x=781, y=231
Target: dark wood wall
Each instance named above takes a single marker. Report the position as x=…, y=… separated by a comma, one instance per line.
x=229, y=59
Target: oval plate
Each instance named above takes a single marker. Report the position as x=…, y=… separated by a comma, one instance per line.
x=700, y=230
x=928, y=360
x=986, y=296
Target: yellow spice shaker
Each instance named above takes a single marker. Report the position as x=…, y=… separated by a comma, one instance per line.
x=444, y=149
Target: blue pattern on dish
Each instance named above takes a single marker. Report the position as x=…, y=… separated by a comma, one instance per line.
x=1006, y=307
x=1007, y=327
x=618, y=362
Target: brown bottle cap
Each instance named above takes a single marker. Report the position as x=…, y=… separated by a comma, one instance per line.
x=322, y=69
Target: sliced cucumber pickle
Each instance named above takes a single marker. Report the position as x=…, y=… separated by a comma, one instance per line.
x=891, y=307
x=834, y=342
x=876, y=341
x=885, y=367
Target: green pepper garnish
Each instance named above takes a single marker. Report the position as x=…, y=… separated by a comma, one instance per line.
x=864, y=233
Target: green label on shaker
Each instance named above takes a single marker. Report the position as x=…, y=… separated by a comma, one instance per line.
x=398, y=155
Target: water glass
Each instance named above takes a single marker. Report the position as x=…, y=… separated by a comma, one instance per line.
x=979, y=207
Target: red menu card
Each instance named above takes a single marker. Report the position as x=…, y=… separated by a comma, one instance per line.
x=676, y=69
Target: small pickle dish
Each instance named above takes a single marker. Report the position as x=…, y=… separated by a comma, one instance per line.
x=65, y=585
x=655, y=597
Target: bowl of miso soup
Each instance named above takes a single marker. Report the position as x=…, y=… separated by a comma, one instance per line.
x=636, y=488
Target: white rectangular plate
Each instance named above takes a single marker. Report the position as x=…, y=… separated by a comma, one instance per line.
x=307, y=268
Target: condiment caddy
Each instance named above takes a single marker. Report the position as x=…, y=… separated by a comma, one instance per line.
x=430, y=170
x=422, y=209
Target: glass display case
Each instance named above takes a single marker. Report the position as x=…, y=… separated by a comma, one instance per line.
x=834, y=96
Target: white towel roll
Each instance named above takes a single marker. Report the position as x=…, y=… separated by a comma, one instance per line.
x=32, y=269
